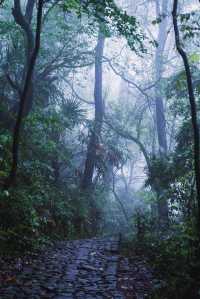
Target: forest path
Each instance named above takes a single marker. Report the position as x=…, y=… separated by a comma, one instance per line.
x=81, y=269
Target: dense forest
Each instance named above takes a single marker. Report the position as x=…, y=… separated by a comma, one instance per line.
x=99, y=133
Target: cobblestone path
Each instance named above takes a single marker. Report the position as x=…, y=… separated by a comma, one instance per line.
x=82, y=269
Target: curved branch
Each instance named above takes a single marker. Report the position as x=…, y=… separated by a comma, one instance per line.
x=128, y=136
x=77, y=95
x=121, y=75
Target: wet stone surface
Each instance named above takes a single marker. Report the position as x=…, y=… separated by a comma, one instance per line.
x=82, y=269
x=135, y=278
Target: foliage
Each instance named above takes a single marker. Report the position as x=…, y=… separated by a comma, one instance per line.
x=47, y=201
x=190, y=24
x=40, y=205
x=112, y=18
x=172, y=256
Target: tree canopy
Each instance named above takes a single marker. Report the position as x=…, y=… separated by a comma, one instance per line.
x=99, y=130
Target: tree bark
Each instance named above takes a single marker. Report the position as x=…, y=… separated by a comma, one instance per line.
x=160, y=113
x=193, y=107
x=24, y=97
x=127, y=218
x=24, y=21
x=99, y=111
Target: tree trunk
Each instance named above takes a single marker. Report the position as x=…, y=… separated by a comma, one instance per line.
x=24, y=98
x=192, y=107
x=160, y=113
x=24, y=21
x=99, y=110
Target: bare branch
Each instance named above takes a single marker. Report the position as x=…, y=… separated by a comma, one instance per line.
x=120, y=74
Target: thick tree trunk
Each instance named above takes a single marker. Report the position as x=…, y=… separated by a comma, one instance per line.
x=192, y=106
x=24, y=98
x=99, y=110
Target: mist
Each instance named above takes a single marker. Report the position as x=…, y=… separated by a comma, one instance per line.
x=99, y=144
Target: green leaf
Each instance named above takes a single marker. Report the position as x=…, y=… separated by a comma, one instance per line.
x=194, y=58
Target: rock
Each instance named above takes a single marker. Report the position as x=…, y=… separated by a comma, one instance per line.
x=81, y=269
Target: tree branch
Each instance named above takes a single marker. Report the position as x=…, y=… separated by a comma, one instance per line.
x=121, y=75
x=76, y=94
x=128, y=136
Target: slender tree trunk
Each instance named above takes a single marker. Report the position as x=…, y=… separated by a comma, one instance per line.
x=119, y=201
x=160, y=113
x=99, y=110
x=23, y=99
x=193, y=108
x=24, y=21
